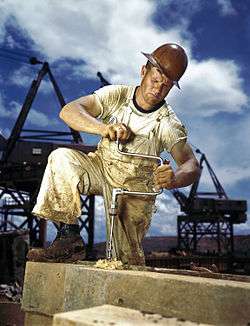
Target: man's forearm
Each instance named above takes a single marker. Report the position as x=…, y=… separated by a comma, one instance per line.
x=187, y=173
x=75, y=116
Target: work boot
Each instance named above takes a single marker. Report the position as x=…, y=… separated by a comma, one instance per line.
x=68, y=247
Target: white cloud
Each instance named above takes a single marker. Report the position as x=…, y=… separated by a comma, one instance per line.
x=211, y=86
x=4, y=14
x=112, y=45
x=4, y=130
x=37, y=118
x=106, y=41
x=226, y=7
x=3, y=112
x=24, y=76
x=164, y=221
x=233, y=174
x=228, y=176
x=34, y=117
x=11, y=43
x=100, y=222
x=12, y=109
x=226, y=143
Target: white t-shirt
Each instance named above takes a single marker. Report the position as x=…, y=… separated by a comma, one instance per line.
x=162, y=125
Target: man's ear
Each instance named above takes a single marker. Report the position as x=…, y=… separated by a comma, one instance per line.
x=143, y=71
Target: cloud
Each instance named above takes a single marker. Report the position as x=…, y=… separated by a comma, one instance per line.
x=24, y=76
x=211, y=86
x=11, y=42
x=4, y=131
x=164, y=221
x=3, y=112
x=226, y=7
x=228, y=176
x=100, y=221
x=113, y=46
x=35, y=117
x=4, y=14
x=233, y=174
x=181, y=13
x=225, y=141
x=110, y=44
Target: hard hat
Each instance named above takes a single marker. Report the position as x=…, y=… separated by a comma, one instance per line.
x=170, y=59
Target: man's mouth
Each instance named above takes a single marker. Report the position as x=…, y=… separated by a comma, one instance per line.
x=157, y=96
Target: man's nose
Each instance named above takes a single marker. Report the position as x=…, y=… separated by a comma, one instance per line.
x=158, y=88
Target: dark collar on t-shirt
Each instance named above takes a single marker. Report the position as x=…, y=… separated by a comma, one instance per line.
x=154, y=108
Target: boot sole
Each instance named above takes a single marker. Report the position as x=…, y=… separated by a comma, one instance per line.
x=69, y=259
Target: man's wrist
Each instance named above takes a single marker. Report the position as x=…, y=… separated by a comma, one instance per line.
x=102, y=130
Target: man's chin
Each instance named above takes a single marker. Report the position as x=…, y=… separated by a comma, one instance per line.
x=153, y=101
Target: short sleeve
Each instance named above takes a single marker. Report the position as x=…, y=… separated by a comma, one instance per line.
x=172, y=131
x=108, y=98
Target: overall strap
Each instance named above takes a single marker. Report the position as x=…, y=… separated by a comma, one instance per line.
x=127, y=110
x=162, y=114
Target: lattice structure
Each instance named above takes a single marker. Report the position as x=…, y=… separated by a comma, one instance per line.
x=87, y=218
x=209, y=215
x=22, y=163
x=15, y=214
x=191, y=233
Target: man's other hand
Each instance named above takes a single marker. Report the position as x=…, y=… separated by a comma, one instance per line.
x=117, y=131
x=164, y=176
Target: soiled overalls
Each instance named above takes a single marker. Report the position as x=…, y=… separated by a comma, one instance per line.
x=70, y=173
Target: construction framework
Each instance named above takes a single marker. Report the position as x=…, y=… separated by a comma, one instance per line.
x=208, y=214
x=22, y=163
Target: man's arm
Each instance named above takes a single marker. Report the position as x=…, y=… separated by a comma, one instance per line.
x=81, y=115
x=187, y=172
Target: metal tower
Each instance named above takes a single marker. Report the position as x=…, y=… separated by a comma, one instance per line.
x=210, y=214
x=22, y=163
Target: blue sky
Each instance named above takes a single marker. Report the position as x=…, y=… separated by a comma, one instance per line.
x=79, y=38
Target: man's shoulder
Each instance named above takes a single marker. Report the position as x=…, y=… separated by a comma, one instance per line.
x=166, y=111
x=115, y=90
x=169, y=117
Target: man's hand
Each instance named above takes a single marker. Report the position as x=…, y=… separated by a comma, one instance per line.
x=164, y=176
x=117, y=131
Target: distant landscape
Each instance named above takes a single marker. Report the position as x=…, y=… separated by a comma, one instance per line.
x=169, y=243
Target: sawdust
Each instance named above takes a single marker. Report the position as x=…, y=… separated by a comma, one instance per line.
x=109, y=264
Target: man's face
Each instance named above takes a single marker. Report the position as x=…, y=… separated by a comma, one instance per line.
x=154, y=85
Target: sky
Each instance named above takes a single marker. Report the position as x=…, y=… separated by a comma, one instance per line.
x=80, y=38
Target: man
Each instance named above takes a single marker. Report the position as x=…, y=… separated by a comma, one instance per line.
x=144, y=123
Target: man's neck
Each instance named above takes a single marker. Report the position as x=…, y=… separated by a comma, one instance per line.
x=140, y=100
x=143, y=106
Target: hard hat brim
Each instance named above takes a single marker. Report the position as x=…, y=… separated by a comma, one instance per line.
x=152, y=60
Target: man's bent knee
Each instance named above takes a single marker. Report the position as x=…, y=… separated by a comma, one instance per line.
x=60, y=154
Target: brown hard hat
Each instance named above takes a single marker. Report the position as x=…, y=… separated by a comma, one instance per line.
x=170, y=59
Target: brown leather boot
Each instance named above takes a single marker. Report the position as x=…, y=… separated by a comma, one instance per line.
x=68, y=247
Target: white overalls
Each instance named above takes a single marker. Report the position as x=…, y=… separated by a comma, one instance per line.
x=70, y=173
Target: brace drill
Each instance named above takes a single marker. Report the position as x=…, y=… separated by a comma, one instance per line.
x=118, y=191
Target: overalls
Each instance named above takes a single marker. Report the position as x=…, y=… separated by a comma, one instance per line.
x=70, y=173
